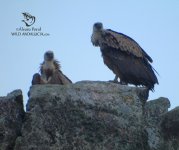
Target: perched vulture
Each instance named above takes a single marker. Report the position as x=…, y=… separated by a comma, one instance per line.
x=124, y=57
x=50, y=72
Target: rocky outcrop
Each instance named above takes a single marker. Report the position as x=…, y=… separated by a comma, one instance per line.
x=170, y=123
x=83, y=116
x=11, y=118
x=154, y=110
x=170, y=129
x=97, y=115
x=162, y=126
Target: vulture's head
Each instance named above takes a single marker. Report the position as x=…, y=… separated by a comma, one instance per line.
x=48, y=56
x=98, y=26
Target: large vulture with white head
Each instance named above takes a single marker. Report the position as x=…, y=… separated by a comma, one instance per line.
x=124, y=57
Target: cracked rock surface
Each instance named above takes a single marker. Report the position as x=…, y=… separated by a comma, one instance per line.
x=11, y=118
x=92, y=115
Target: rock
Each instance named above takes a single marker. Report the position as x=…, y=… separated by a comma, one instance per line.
x=153, y=113
x=170, y=129
x=11, y=117
x=162, y=126
x=170, y=123
x=84, y=116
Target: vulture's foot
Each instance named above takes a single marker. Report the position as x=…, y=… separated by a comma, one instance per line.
x=123, y=83
x=114, y=81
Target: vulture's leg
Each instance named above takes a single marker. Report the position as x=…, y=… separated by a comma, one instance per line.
x=123, y=82
x=115, y=80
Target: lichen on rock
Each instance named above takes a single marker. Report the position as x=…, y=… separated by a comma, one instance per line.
x=11, y=118
x=87, y=115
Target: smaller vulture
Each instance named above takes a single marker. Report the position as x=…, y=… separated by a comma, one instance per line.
x=124, y=57
x=50, y=72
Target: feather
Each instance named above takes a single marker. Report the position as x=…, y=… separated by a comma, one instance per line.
x=51, y=73
x=124, y=57
x=129, y=69
x=124, y=43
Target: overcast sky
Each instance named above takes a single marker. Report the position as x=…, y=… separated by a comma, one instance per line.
x=153, y=24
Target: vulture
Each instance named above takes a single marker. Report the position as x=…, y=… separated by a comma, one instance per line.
x=124, y=56
x=50, y=72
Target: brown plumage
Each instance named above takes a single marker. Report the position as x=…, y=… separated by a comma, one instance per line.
x=50, y=72
x=124, y=57
x=36, y=79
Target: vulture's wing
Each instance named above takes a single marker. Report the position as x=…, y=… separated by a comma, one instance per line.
x=57, y=64
x=41, y=68
x=59, y=78
x=124, y=43
x=36, y=79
